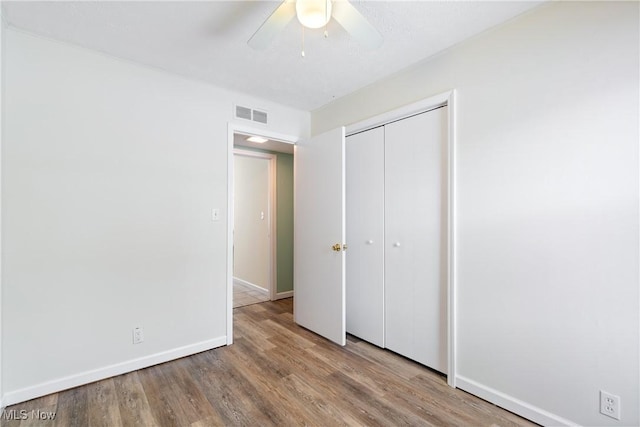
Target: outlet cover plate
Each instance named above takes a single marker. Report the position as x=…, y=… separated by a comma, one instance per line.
x=138, y=335
x=609, y=405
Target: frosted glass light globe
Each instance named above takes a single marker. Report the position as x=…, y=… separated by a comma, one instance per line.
x=313, y=13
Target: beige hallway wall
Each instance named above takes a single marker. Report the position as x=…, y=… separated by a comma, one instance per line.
x=251, y=220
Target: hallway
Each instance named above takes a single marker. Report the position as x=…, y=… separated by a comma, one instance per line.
x=247, y=295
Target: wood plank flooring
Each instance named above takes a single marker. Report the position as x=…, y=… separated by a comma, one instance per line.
x=247, y=295
x=275, y=374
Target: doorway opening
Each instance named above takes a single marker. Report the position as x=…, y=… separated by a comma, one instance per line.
x=260, y=226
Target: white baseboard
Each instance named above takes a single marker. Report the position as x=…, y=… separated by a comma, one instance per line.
x=54, y=386
x=256, y=287
x=512, y=404
x=282, y=295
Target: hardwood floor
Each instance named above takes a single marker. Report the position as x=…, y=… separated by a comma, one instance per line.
x=247, y=295
x=276, y=373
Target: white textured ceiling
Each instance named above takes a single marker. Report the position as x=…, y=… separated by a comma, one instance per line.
x=206, y=40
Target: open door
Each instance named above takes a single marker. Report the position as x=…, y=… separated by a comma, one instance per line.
x=319, y=235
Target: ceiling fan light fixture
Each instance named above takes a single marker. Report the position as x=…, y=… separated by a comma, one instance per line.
x=313, y=13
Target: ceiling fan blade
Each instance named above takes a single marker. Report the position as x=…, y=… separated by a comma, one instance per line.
x=273, y=25
x=356, y=24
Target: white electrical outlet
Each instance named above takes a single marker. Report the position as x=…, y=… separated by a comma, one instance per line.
x=138, y=335
x=610, y=405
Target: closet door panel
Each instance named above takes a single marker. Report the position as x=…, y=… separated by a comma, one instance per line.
x=415, y=238
x=365, y=235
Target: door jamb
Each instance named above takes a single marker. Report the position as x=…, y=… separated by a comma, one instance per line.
x=233, y=128
x=442, y=99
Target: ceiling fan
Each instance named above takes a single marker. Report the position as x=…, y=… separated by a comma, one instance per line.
x=316, y=14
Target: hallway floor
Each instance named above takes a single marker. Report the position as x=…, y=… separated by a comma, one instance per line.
x=247, y=295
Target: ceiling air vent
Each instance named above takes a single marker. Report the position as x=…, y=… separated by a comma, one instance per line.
x=260, y=116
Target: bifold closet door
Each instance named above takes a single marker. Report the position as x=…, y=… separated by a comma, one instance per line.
x=365, y=234
x=415, y=238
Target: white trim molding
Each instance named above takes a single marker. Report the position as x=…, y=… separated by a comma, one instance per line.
x=275, y=136
x=442, y=99
x=283, y=295
x=451, y=238
x=231, y=129
x=252, y=285
x=98, y=374
x=3, y=24
x=512, y=404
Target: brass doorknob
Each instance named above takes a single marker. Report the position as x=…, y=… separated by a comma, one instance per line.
x=337, y=247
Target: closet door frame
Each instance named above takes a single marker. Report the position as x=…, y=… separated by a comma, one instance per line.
x=440, y=100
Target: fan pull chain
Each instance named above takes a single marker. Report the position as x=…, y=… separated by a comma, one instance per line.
x=302, y=53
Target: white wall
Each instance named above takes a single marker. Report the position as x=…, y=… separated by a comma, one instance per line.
x=547, y=205
x=109, y=174
x=2, y=27
x=251, y=229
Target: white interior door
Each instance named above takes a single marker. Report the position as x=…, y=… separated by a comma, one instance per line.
x=319, y=225
x=365, y=234
x=416, y=239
